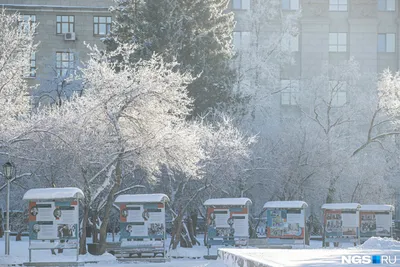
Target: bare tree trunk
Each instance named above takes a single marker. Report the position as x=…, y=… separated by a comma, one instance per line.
x=18, y=237
x=113, y=232
x=108, y=206
x=178, y=231
x=185, y=240
x=190, y=226
x=94, y=230
x=193, y=216
x=82, y=241
x=331, y=192
x=1, y=224
x=86, y=209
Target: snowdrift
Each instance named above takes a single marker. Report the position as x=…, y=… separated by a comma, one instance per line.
x=380, y=243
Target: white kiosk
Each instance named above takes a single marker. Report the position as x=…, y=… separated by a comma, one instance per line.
x=286, y=221
x=341, y=223
x=142, y=225
x=227, y=222
x=53, y=217
x=375, y=220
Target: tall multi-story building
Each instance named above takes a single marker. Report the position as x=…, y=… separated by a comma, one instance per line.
x=331, y=31
x=63, y=27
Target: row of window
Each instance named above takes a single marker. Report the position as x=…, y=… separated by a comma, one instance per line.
x=65, y=24
x=290, y=90
x=386, y=42
x=334, y=5
x=65, y=64
x=341, y=5
x=337, y=42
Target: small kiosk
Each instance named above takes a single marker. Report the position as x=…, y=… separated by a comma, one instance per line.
x=142, y=225
x=341, y=223
x=227, y=221
x=53, y=221
x=375, y=220
x=286, y=221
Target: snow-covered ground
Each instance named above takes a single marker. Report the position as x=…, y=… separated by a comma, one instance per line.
x=313, y=255
x=184, y=257
x=316, y=257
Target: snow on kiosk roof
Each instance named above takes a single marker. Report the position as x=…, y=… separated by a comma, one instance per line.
x=285, y=205
x=142, y=198
x=53, y=193
x=341, y=206
x=377, y=208
x=243, y=201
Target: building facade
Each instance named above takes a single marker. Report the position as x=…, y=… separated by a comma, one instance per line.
x=63, y=28
x=330, y=31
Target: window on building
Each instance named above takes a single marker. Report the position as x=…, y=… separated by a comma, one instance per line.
x=338, y=42
x=32, y=68
x=386, y=5
x=65, y=24
x=387, y=42
x=290, y=4
x=290, y=43
x=101, y=25
x=338, y=5
x=241, y=4
x=241, y=40
x=290, y=91
x=338, y=91
x=65, y=63
x=27, y=22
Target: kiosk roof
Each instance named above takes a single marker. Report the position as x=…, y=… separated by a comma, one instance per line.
x=227, y=202
x=341, y=206
x=53, y=193
x=377, y=208
x=285, y=205
x=142, y=198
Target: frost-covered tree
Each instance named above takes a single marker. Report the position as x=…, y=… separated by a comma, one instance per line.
x=196, y=34
x=336, y=104
x=264, y=46
x=226, y=148
x=310, y=156
x=130, y=116
x=326, y=104
x=137, y=114
x=16, y=46
x=384, y=121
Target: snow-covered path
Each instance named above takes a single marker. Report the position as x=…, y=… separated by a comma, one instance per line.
x=316, y=257
x=173, y=263
x=305, y=257
x=313, y=256
x=19, y=254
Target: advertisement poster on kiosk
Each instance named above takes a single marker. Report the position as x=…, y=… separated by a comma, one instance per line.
x=285, y=223
x=53, y=220
x=142, y=220
x=375, y=224
x=341, y=224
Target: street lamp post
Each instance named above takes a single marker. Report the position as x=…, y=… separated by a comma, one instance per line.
x=7, y=172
